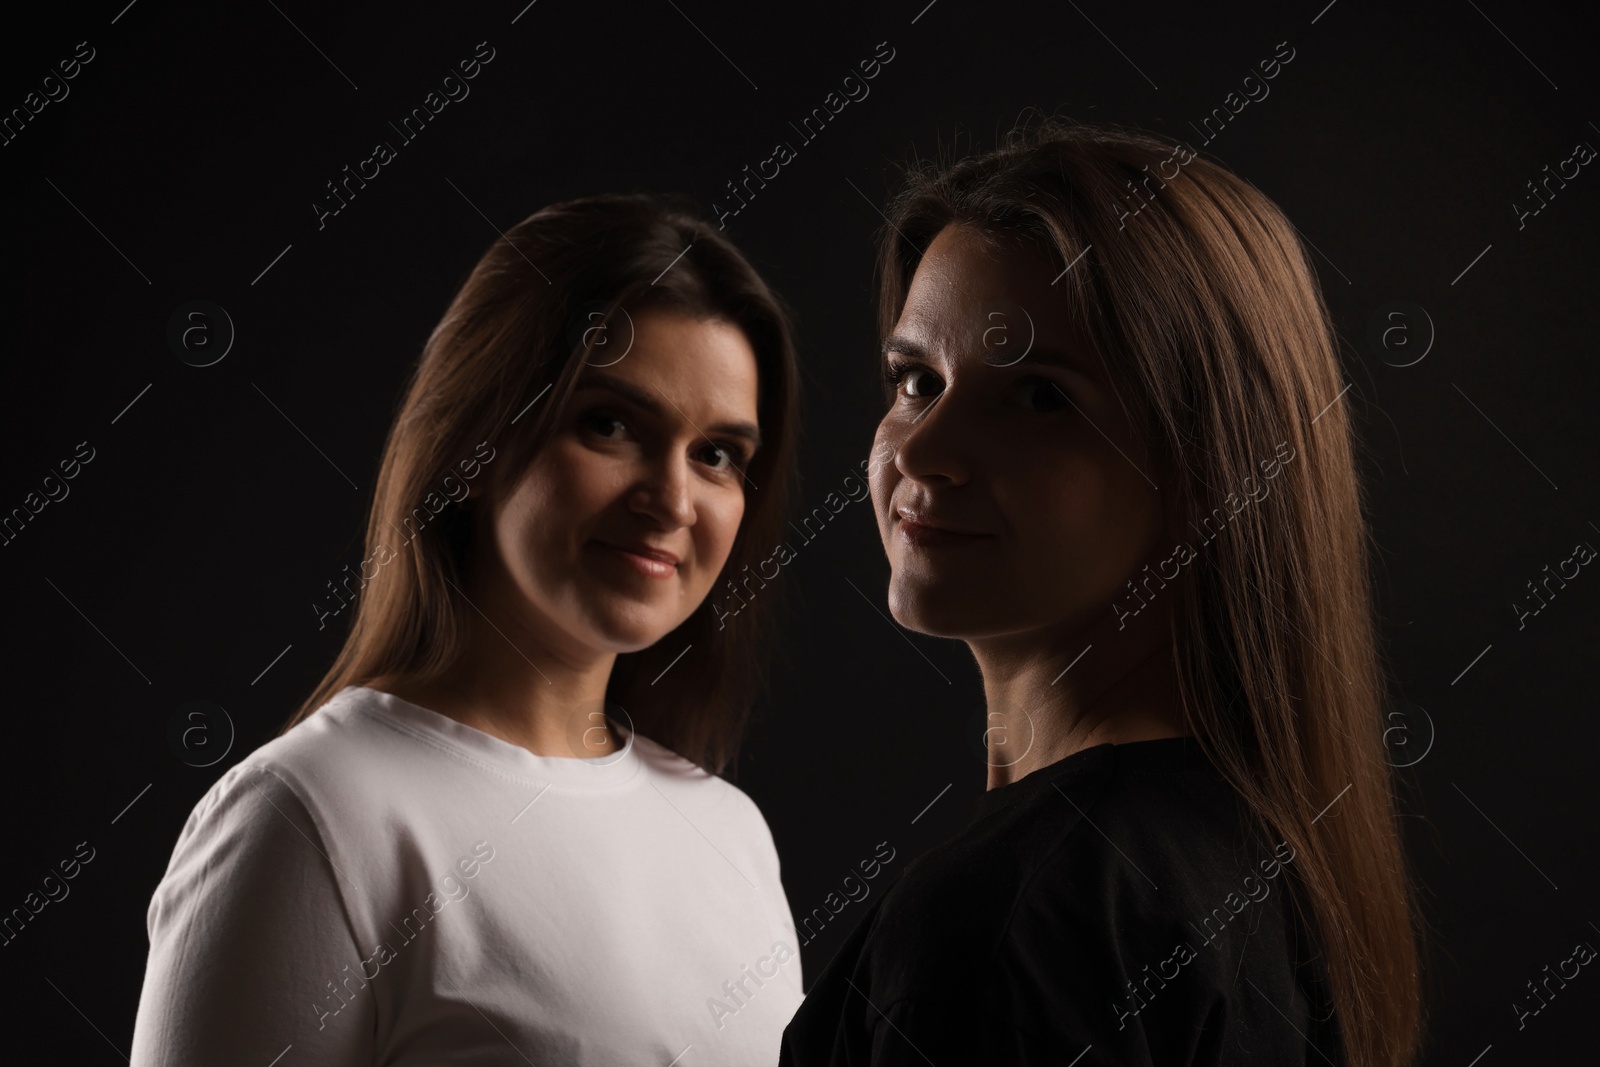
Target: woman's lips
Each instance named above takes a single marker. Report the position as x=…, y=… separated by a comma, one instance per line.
x=921, y=535
x=648, y=566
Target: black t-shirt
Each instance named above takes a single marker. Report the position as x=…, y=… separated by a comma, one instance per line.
x=1111, y=908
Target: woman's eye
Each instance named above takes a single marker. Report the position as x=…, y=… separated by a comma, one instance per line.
x=602, y=423
x=919, y=383
x=716, y=452
x=1041, y=394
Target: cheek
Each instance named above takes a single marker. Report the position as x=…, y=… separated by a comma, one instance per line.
x=881, y=471
x=521, y=542
x=1080, y=516
x=718, y=517
x=571, y=483
x=551, y=504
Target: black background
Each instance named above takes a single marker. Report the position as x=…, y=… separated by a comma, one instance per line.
x=185, y=559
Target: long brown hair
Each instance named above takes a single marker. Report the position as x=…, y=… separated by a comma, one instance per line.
x=539, y=304
x=1198, y=293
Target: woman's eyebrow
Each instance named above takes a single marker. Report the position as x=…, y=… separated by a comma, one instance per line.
x=905, y=346
x=643, y=399
x=1072, y=361
x=1067, y=360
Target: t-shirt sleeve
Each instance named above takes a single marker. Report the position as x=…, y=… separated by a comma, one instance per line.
x=251, y=948
x=769, y=878
x=778, y=901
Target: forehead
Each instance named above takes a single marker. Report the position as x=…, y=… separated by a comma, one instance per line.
x=701, y=369
x=970, y=281
x=962, y=258
x=658, y=345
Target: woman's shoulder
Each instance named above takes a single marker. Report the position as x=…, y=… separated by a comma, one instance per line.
x=339, y=740
x=1158, y=836
x=344, y=789
x=1120, y=892
x=720, y=810
x=1165, y=910
x=1108, y=852
x=683, y=780
x=325, y=770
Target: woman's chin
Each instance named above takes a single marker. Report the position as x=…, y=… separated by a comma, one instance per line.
x=631, y=633
x=935, y=613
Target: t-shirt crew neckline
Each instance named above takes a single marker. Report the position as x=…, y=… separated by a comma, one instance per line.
x=475, y=746
x=1160, y=755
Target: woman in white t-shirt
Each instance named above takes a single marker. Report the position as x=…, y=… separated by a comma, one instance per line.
x=495, y=833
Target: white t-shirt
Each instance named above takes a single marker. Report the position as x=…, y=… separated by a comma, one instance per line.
x=385, y=885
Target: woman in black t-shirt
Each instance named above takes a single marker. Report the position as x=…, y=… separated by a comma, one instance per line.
x=1117, y=462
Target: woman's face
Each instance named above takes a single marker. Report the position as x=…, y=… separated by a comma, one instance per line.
x=648, y=455
x=1005, y=429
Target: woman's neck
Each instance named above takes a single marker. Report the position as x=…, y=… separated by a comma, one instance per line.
x=1041, y=710
x=510, y=685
